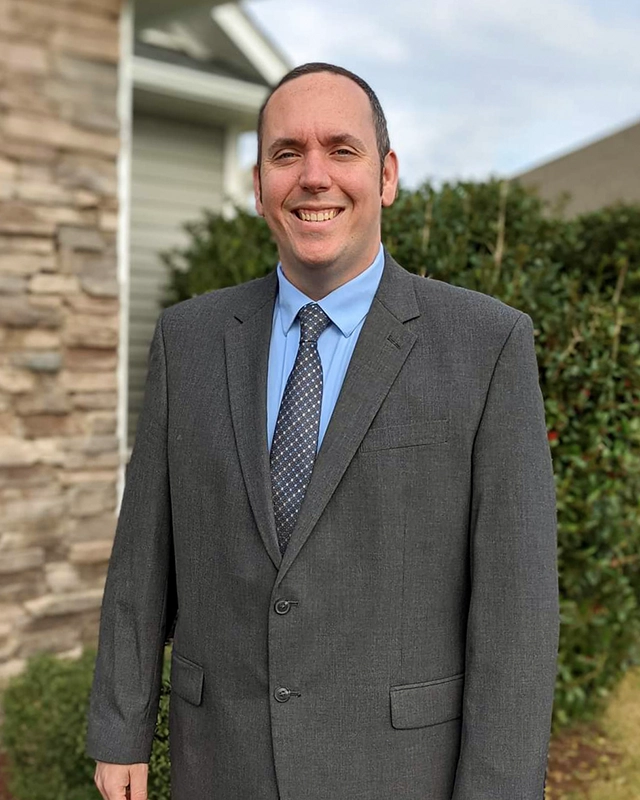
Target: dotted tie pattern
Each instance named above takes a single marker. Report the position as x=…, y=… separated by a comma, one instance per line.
x=295, y=441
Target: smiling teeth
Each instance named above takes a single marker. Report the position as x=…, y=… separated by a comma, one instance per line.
x=317, y=216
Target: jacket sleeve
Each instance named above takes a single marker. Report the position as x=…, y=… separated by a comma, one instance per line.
x=512, y=628
x=139, y=597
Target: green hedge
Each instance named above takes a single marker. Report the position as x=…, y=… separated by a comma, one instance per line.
x=579, y=280
x=45, y=728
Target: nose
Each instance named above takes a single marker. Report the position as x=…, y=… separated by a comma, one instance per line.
x=314, y=176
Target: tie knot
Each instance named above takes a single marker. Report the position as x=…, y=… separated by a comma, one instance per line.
x=313, y=321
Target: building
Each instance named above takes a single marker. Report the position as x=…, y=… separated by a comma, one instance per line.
x=117, y=124
x=598, y=174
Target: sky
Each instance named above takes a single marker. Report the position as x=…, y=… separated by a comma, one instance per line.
x=473, y=88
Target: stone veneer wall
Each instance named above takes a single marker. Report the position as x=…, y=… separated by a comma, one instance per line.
x=58, y=321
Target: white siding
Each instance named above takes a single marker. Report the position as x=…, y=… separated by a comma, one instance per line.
x=176, y=171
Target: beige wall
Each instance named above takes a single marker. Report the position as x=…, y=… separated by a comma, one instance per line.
x=597, y=175
x=58, y=321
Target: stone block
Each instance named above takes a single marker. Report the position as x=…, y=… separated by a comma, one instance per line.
x=61, y=215
x=42, y=361
x=19, y=312
x=8, y=170
x=34, y=509
x=44, y=193
x=38, y=475
x=88, y=359
x=28, y=151
x=52, y=605
x=94, y=306
x=54, y=284
x=12, y=284
x=81, y=239
x=81, y=71
x=18, y=218
x=22, y=57
x=45, y=301
x=87, y=381
x=26, y=244
x=59, y=639
x=102, y=424
x=95, y=175
x=109, y=221
x=61, y=576
x=49, y=400
x=95, y=400
x=21, y=560
x=16, y=381
x=39, y=340
x=58, y=134
x=23, y=264
x=51, y=425
x=100, y=287
x=95, y=552
x=84, y=476
x=92, y=528
x=91, y=499
x=85, y=200
x=92, y=461
x=85, y=331
x=16, y=452
x=10, y=426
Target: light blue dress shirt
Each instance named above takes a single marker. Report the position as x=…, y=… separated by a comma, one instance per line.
x=346, y=307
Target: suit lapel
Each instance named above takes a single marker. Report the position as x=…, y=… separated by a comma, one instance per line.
x=382, y=348
x=247, y=340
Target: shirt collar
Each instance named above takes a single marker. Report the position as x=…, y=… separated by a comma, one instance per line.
x=345, y=306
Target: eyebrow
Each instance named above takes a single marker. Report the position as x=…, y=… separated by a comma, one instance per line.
x=334, y=139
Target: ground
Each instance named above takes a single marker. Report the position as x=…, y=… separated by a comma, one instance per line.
x=595, y=761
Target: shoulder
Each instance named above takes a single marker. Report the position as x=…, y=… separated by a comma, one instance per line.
x=217, y=307
x=466, y=312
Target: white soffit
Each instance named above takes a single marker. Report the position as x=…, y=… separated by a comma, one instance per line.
x=190, y=84
x=243, y=33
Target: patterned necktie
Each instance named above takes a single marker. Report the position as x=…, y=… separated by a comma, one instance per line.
x=295, y=441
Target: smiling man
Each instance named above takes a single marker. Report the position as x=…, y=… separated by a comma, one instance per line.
x=341, y=497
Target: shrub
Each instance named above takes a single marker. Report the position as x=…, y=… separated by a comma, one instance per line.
x=45, y=729
x=580, y=282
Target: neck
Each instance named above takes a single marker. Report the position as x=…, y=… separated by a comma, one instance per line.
x=318, y=280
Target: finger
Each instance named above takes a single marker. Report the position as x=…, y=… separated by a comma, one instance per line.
x=138, y=782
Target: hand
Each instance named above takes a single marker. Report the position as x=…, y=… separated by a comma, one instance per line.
x=121, y=781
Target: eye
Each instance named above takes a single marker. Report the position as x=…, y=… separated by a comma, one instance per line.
x=284, y=156
x=343, y=151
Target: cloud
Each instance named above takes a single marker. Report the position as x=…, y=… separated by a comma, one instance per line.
x=474, y=87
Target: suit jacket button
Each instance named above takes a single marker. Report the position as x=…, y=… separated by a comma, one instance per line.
x=282, y=606
x=282, y=694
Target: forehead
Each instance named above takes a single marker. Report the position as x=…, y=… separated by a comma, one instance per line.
x=320, y=101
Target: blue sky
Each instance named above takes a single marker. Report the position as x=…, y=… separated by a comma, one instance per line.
x=476, y=87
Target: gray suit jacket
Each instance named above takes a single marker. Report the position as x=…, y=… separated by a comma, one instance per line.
x=414, y=657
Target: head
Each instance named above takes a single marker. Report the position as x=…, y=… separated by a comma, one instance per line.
x=325, y=170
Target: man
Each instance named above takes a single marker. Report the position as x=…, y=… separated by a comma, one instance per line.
x=342, y=482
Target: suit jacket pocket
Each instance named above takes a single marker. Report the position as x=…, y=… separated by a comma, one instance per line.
x=407, y=434
x=187, y=678
x=418, y=705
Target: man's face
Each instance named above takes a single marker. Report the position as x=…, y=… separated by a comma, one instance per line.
x=319, y=184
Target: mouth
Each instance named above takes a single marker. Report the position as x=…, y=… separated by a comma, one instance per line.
x=317, y=215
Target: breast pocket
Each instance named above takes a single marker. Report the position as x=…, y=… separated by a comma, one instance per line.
x=408, y=434
x=418, y=705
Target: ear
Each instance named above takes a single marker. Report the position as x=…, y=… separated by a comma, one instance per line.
x=389, y=178
x=257, y=190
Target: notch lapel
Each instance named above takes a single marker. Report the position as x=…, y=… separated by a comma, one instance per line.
x=247, y=341
x=382, y=348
